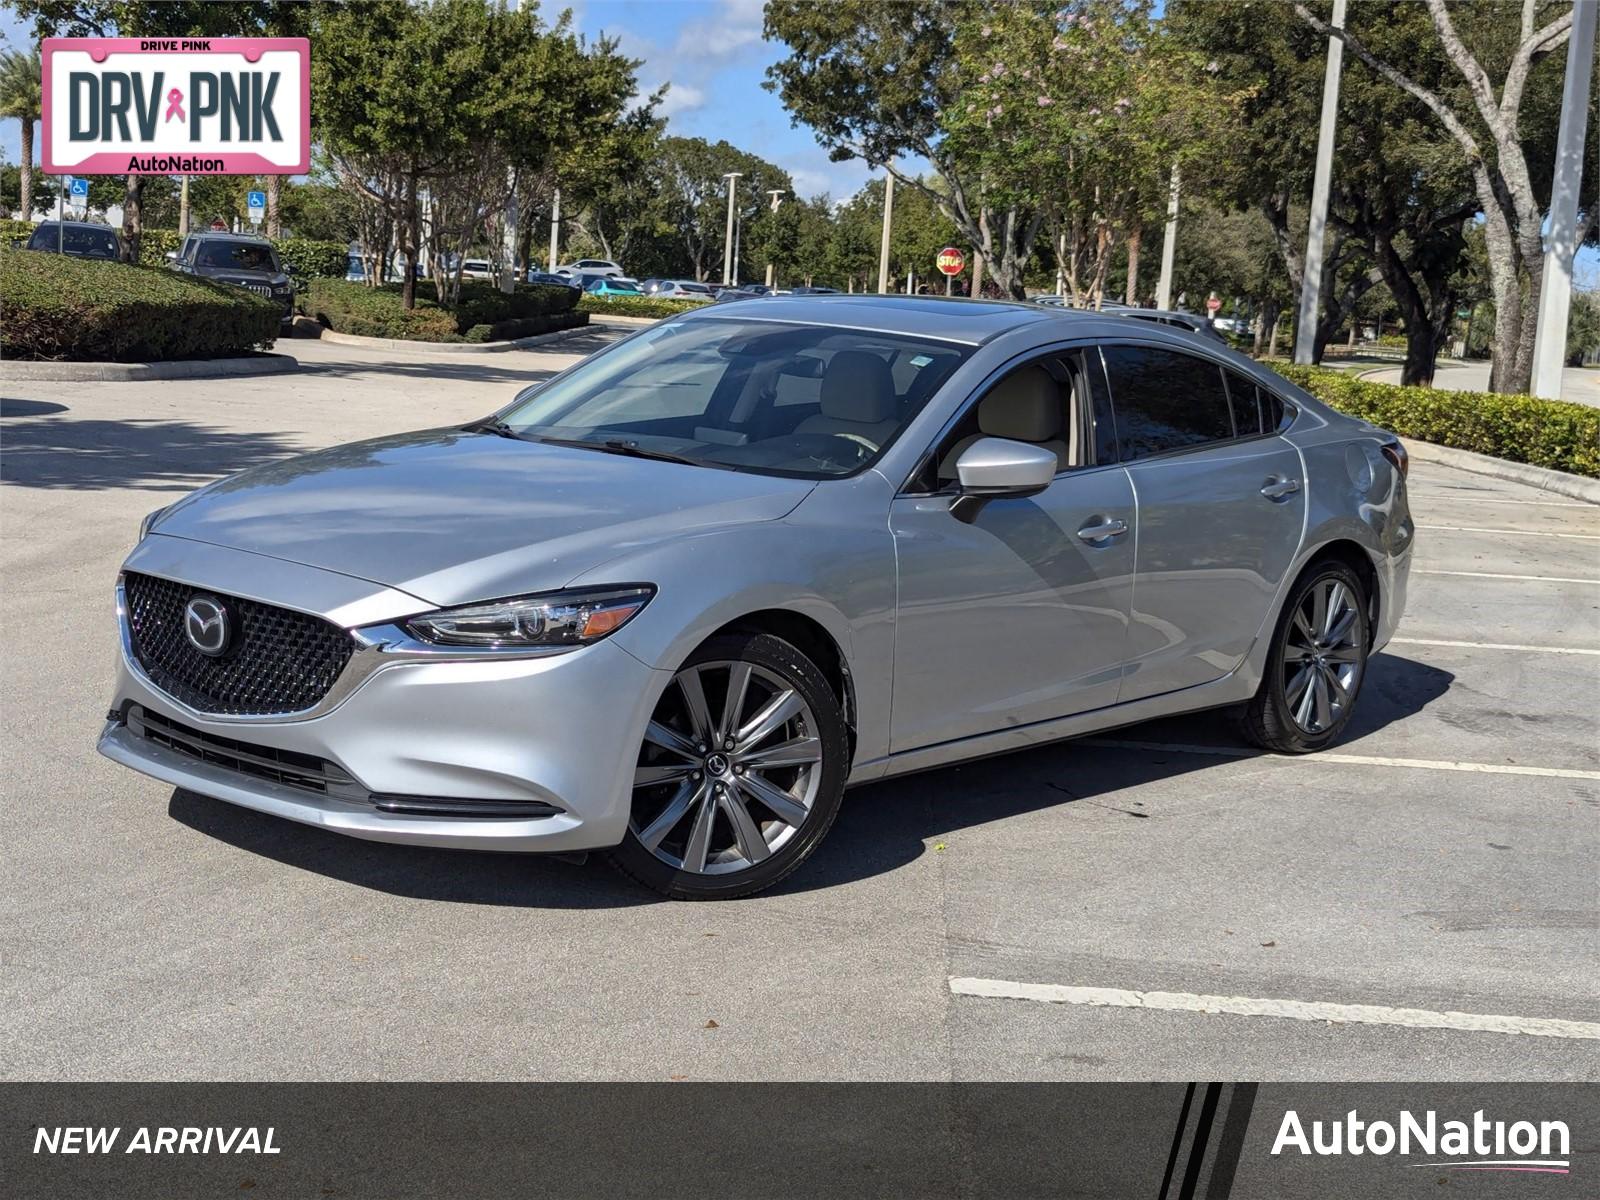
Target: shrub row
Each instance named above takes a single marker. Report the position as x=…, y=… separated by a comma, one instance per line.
x=84, y=310
x=634, y=306
x=14, y=233
x=485, y=314
x=1525, y=429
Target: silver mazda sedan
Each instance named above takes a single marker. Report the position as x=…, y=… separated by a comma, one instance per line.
x=673, y=601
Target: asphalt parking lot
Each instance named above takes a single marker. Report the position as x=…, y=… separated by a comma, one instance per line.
x=1442, y=859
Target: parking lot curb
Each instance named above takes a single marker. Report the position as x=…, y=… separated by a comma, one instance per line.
x=408, y=347
x=1576, y=487
x=115, y=372
x=623, y=322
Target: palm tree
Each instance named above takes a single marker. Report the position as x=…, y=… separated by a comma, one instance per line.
x=20, y=90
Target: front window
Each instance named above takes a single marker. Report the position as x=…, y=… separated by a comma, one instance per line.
x=813, y=402
x=237, y=256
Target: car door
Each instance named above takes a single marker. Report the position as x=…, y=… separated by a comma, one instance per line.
x=1221, y=513
x=1020, y=615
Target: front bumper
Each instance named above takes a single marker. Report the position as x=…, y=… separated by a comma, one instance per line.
x=561, y=731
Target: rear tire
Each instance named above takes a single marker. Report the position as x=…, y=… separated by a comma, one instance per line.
x=740, y=774
x=1316, y=666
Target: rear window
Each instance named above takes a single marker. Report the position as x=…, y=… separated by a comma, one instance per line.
x=99, y=242
x=1165, y=400
x=1255, y=410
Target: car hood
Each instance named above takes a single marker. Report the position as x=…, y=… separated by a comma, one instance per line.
x=230, y=275
x=451, y=516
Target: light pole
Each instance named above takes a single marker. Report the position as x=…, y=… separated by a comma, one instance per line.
x=777, y=195
x=883, y=247
x=1305, y=334
x=1555, y=292
x=555, y=227
x=1169, y=246
x=733, y=178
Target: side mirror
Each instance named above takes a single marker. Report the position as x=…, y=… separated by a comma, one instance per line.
x=992, y=468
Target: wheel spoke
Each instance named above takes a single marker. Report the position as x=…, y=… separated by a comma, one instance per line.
x=650, y=837
x=1296, y=686
x=1341, y=627
x=733, y=706
x=1307, y=637
x=670, y=739
x=1319, y=611
x=694, y=854
x=1308, y=698
x=649, y=776
x=777, y=713
x=694, y=697
x=1341, y=694
x=1319, y=688
x=798, y=752
x=1333, y=606
x=752, y=842
x=1344, y=654
x=784, y=806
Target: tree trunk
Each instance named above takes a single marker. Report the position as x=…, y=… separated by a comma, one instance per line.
x=274, y=200
x=408, y=244
x=1131, y=294
x=26, y=169
x=133, y=218
x=1422, y=349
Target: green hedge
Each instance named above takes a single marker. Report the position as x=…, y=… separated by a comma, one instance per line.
x=634, y=306
x=485, y=314
x=59, y=308
x=1544, y=433
x=14, y=233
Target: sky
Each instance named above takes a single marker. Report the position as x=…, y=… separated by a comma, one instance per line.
x=712, y=56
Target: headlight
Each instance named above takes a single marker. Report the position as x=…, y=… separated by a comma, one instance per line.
x=150, y=519
x=573, y=618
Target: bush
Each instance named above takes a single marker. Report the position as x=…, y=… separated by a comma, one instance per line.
x=86, y=310
x=635, y=306
x=304, y=260
x=485, y=314
x=154, y=244
x=14, y=233
x=1544, y=433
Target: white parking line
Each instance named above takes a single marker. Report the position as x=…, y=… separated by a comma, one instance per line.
x=1492, y=575
x=1294, y=1010
x=1358, y=760
x=1400, y=641
x=1582, y=537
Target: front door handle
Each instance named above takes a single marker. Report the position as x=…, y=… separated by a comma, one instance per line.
x=1277, y=489
x=1102, y=531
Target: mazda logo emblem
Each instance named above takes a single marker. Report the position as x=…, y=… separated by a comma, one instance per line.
x=205, y=624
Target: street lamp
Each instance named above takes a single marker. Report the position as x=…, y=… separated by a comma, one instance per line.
x=883, y=246
x=733, y=178
x=777, y=195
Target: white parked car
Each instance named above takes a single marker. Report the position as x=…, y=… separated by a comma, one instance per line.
x=591, y=266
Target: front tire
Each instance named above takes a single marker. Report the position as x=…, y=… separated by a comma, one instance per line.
x=740, y=774
x=1316, y=666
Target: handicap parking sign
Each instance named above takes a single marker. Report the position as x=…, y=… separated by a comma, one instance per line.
x=257, y=203
x=80, y=190
x=257, y=199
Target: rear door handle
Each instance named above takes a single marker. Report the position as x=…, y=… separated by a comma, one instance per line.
x=1277, y=489
x=1103, y=531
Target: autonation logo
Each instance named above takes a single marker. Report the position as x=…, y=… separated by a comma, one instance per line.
x=1476, y=1145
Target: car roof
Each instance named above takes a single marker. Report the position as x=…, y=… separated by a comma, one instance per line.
x=52, y=223
x=206, y=234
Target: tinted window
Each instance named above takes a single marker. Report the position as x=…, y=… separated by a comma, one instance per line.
x=1254, y=408
x=1165, y=400
x=92, y=243
x=240, y=256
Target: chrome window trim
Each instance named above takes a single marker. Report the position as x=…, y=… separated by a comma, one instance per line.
x=376, y=647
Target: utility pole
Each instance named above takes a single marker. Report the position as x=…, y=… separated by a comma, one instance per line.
x=555, y=227
x=777, y=195
x=1305, y=334
x=733, y=178
x=183, y=206
x=883, y=246
x=1560, y=244
x=1169, y=244
x=508, y=235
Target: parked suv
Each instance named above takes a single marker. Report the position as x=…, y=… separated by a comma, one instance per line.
x=239, y=259
x=76, y=239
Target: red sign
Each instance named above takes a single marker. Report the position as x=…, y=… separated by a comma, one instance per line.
x=1213, y=304
x=950, y=261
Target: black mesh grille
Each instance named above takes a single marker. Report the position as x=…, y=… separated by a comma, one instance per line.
x=277, y=660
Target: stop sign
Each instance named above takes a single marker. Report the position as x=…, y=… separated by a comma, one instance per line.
x=1213, y=304
x=950, y=261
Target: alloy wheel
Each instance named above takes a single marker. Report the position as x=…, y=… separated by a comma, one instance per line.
x=1322, y=656
x=729, y=770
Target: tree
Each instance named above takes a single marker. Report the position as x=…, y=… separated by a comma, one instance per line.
x=694, y=195
x=1483, y=118
x=1583, y=327
x=19, y=99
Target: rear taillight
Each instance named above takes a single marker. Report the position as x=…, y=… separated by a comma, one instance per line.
x=1396, y=454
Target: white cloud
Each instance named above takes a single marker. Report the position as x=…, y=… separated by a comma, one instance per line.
x=680, y=98
x=736, y=25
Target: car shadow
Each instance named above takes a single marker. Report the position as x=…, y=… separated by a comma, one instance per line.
x=882, y=826
x=11, y=407
x=154, y=455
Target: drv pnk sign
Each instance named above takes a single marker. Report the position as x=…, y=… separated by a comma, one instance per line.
x=177, y=106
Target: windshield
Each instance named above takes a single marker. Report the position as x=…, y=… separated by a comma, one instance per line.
x=100, y=243
x=238, y=256
x=808, y=401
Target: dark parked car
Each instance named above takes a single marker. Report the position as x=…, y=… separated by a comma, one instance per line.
x=79, y=239
x=547, y=278
x=239, y=259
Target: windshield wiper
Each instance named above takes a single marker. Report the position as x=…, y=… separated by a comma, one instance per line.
x=630, y=449
x=495, y=426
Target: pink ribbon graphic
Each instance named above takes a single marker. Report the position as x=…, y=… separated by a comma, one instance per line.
x=175, y=105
